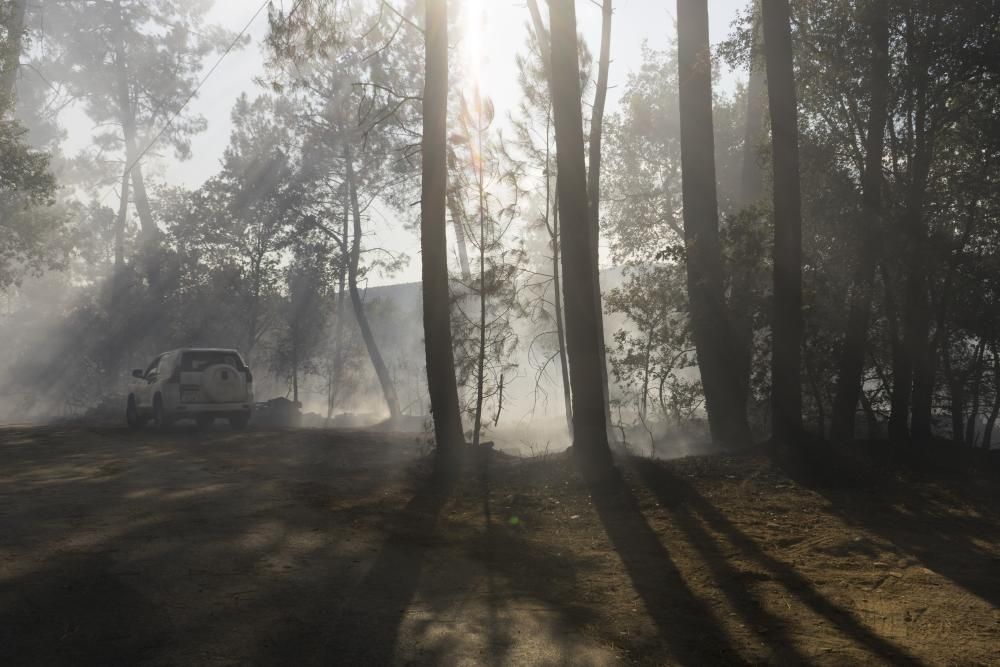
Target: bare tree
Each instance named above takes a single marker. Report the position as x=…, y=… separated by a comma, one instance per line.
x=525, y=128
x=852, y=354
x=594, y=185
x=336, y=367
x=384, y=378
x=995, y=410
x=10, y=59
x=741, y=306
x=457, y=210
x=594, y=166
x=583, y=318
x=709, y=318
x=441, y=382
x=786, y=344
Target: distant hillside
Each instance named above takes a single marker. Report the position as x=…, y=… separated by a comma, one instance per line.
x=396, y=316
x=403, y=294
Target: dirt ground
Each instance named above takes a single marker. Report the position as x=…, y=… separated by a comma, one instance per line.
x=323, y=547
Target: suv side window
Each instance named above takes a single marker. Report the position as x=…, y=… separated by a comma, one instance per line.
x=151, y=372
x=166, y=363
x=199, y=360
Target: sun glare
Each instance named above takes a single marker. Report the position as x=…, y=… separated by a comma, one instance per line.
x=475, y=50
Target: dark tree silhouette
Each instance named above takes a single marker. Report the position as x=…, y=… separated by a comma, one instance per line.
x=741, y=305
x=550, y=218
x=852, y=355
x=378, y=363
x=441, y=383
x=709, y=319
x=10, y=57
x=913, y=387
x=594, y=185
x=583, y=318
x=786, y=353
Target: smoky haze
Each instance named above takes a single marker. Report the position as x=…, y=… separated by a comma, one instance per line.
x=271, y=204
x=68, y=355
x=530, y=332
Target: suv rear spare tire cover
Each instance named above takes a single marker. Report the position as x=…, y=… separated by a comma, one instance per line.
x=222, y=383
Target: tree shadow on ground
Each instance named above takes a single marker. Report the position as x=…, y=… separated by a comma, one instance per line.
x=499, y=629
x=182, y=547
x=185, y=548
x=923, y=501
x=687, y=505
x=493, y=594
x=687, y=627
x=369, y=626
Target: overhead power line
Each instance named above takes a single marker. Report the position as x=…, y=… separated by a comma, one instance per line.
x=190, y=97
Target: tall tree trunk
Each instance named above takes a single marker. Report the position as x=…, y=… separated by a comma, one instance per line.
x=542, y=35
x=120, y=222
x=583, y=318
x=815, y=384
x=12, y=56
x=339, y=356
x=995, y=410
x=441, y=383
x=557, y=286
x=481, y=360
x=917, y=258
x=977, y=384
x=340, y=308
x=923, y=392
x=458, y=220
x=786, y=345
x=295, y=370
x=751, y=173
x=644, y=401
x=142, y=207
x=150, y=232
x=871, y=419
x=384, y=379
x=956, y=395
x=545, y=49
x=709, y=318
x=902, y=376
x=852, y=354
x=331, y=393
x=126, y=110
x=594, y=192
x=817, y=392
x=917, y=316
x=751, y=192
x=253, y=307
x=116, y=353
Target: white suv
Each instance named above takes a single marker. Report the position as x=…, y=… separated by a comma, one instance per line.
x=200, y=384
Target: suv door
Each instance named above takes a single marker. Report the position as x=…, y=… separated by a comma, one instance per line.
x=144, y=390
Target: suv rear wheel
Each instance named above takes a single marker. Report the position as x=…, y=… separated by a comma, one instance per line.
x=239, y=422
x=160, y=417
x=132, y=417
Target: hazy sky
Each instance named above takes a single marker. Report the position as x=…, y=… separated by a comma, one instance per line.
x=634, y=21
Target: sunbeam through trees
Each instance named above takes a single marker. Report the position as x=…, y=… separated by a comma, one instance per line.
x=499, y=332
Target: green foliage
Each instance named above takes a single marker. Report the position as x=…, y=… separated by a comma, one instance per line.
x=934, y=224
x=488, y=304
x=30, y=226
x=254, y=257
x=653, y=358
x=150, y=50
x=309, y=281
